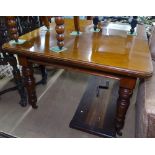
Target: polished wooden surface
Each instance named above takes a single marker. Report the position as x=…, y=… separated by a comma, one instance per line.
x=110, y=50
x=110, y=53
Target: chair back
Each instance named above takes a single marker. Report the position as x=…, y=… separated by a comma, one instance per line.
x=152, y=44
x=20, y=25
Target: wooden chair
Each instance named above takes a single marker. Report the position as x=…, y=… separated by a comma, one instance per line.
x=11, y=28
x=60, y=28
x=11, y=59
x=26, y=24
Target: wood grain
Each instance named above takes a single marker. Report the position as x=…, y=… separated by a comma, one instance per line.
x=120, y=54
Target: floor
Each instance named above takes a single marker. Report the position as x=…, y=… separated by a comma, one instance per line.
x=58, y=101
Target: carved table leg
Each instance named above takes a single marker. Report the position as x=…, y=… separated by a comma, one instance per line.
x=44, y=74
x=27, y=71
x=18, y=80
x=125, y=92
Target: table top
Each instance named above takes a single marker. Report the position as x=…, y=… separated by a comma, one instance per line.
x=110, y=50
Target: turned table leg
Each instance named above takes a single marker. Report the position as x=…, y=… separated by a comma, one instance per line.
x=29, y=80
x=125, y=92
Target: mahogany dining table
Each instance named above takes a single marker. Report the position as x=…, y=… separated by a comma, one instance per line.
x=110, y=53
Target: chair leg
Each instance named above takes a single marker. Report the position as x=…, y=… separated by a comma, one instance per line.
x=43, y=73
x=18, y=80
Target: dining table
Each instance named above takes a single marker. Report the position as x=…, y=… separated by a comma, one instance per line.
x=110, y=52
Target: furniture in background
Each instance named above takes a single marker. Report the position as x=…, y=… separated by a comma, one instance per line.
x=110, y=53
x=6, y=58
x=145, y=104
x=18, y=25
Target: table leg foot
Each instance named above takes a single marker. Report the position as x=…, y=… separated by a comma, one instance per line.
x=34, y=106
